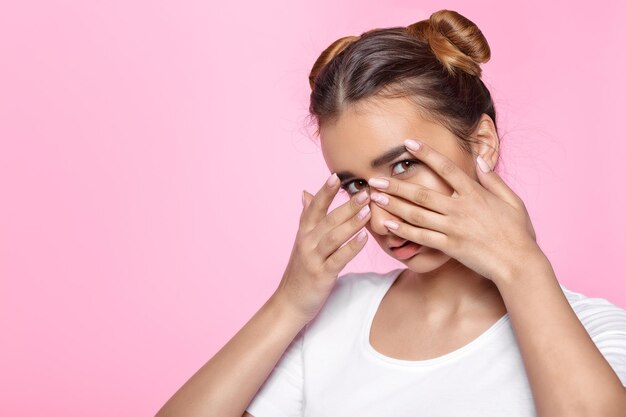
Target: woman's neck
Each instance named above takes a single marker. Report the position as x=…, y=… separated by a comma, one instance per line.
x=450, y=291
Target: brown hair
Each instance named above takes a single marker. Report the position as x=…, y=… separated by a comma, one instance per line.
x=435, y=63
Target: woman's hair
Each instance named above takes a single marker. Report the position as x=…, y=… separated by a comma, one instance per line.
x=435, y=63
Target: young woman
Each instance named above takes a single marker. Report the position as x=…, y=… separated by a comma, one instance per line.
x=477, y=324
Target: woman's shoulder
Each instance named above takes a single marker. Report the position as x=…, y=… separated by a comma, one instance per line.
x=597, y=314
x=359, y=284
x=368, y=278
x=605, y=323
x=352, y=295
x=355, y=285
x=586, y=301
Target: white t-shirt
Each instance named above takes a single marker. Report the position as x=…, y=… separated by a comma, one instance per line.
x=330, y=368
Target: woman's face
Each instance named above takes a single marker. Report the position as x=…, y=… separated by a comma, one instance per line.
x=362, y=135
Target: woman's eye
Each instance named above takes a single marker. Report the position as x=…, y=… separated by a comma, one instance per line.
x=355, y=186
x=404, y=165
x=350, y=186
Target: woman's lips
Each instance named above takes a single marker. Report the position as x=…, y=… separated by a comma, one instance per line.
x=395, y=245
x=407, y=250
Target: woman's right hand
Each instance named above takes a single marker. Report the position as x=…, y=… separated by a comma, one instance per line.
x=317, y=256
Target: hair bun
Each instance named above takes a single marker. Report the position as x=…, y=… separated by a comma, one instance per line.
x=455, y=40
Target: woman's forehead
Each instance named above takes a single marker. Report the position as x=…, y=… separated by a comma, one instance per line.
x=359, y=137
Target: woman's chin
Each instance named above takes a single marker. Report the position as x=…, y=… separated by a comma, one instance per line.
x=427, y=260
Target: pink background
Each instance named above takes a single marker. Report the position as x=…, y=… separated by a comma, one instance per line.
x=153, y=154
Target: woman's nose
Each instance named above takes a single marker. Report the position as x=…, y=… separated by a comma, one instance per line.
x=378, y=216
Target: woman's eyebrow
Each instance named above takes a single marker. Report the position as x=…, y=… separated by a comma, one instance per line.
x=388, y=156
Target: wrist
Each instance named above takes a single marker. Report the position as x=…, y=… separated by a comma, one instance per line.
x=528, y=263
x=285, y=311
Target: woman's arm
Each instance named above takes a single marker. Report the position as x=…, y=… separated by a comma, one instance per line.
x=228, y=382
x=568, y=375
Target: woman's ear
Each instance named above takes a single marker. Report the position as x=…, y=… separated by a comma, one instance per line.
x=486, y=142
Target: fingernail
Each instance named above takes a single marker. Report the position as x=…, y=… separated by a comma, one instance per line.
x=412, y=145
x=482, y=164
x=361, y=197
x=379, y=198
x=332, y=180
x=363, y=212
x=361, y=236
x=378, y=182
x=391, y=224
x=303, y=200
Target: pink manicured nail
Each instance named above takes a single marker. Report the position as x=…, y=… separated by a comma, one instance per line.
x=482, y=164
x=378, y=182
x=332, y=180
x=361, y=197
x=363, y=212
x=380, y=198
x=412, y=145
x=361, y=236
x=391, y=224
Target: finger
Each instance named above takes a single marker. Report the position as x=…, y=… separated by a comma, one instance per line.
x=338, y=260
x=308, y=197
x=306, y=200
x=494, y=183
x=415, y=193
x=318, y=207
x=337, y=236
x=426, y=237
x=340, y=215
x=443, y=166
x=411, y=213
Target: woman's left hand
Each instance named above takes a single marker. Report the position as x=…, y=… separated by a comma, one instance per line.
x=483, y=225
